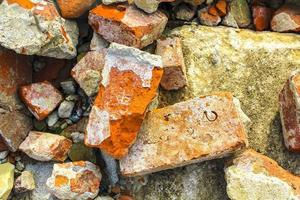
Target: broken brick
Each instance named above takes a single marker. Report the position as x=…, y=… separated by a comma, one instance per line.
x=87, y=71
x=74, y=8
x=14, y=127
x=46, y=146
x=286, y=19
x=174, y=76
x=15, y=70
x=252, y=175
x=289, y=101
x=40, y=98
x=130, y=79
x=261, y=17
x=127, y=24
x=75, y=180
x=211, y=129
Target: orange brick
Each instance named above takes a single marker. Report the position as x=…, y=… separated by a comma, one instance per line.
x=74, y=8
x=130, y=79
x=196, y=130
x=40, y=98
x=127, y=24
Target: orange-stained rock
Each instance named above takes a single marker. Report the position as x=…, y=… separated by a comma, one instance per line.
x=200, y=129
x=87, y=71
x=46, y=146
x=252, y=175
x=261, y=17
x=208, y=19
x=130, y=79
x=221, y=6
x=127, y=24
x=174, y=76
x=14, y=127
x=40, y=98
x=289, y=101
x=286, y=19
x=15, y=70
x=74, y=8
x=75, y=180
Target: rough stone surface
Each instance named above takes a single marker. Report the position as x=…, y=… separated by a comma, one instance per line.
x=25, y=182
x=48, y=35
x=75, y=180
x=255, y=176
x=6, y=180
x=212, y=129
x=14, y=127
x=40, y=98
x=286, y=18
x=194, y=2
x=253, y=66
x=46, y=146
x=130, y=79
x=127, y=24
x=261, y=17
x=74, y=8
x=170, y=50
x=15, y=70
x=289, y=100
x=87, y=71
x=184, y=12
x=240, y=12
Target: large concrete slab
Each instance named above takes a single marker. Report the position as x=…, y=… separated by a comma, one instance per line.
x=254, y=67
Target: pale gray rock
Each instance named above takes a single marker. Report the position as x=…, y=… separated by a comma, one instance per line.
x=68, y=87
x=98, y=43
x=253, y=66
x=111, y=168
x=52, y=119
x=37, y=31
x=65, y=109
x=107, y=2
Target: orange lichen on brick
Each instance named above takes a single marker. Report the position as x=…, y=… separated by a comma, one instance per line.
x=115, y=13
x=124, y=130
x=126, y=24
x=213, y=11
x=222, y=7
x=61, y=181
x=27, y=4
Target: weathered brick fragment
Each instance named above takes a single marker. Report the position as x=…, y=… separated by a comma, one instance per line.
x=196, y=130
x=254, y=176
x=74, y=8
x=289, y=100
x=174, y=76
x=87, y=71
x=130, y=79
x=14, y=127
x=127, y=24
x=40, y=98
x=75, y=180
x=46, y=146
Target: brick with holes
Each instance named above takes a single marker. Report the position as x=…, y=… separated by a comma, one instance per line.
x=196, y=130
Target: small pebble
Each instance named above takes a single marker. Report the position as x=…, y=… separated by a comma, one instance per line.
x=20, y=166
x=3, y=154
x=77, y=137
x=65, y=109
